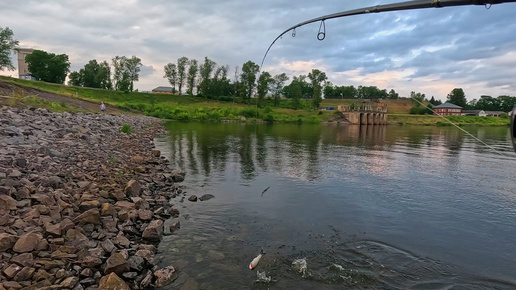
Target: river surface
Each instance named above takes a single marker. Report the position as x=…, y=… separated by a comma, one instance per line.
x=383, y=207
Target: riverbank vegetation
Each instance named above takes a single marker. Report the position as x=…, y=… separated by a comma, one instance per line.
x=183, y=107
x=432, y=120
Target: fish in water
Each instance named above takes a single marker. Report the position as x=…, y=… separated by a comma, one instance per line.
x=255, y=261
x=266, y=190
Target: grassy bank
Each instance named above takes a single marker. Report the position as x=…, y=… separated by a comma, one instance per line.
x=430, y=120
x=186, y=108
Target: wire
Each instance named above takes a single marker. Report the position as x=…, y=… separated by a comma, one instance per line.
x=469, y=134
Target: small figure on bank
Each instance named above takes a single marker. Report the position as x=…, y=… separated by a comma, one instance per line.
x=102, y=107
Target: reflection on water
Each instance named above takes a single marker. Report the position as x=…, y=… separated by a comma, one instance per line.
x=376, y=206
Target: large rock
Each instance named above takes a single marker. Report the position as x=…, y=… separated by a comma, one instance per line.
x=54, y=230
x=91, y=216
x=193, y=198
x=113, y=282
x=145, y=215
x=7, y=204
x=133, y=188
x=178, y=176
x=89, y=204
x=206, y=197
x=12, y=270
x=154, y=231
x=25, y=260
x=117, y=264
x=69, y=282
x=7, y=241
x=25, y=274
x=108, y=209
x=27, y=243
x=165, y=276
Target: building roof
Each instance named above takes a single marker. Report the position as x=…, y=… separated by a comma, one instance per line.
x=494, y=112
x=24, y=49
x=448, y=105
x=162, y=89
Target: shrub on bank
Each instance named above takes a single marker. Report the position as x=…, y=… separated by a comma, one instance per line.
x=126, y=128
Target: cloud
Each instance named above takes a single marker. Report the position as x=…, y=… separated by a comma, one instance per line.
x=431, y=50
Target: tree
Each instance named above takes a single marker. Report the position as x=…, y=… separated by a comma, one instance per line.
x=347, y=92
x=506, y=103
x=220, y=85
x=417, y=98
x=171, y=75
x=121, y=78
x=7, y=44
x=125, y=72
x=248, y=77
x=317, y=77
x=192, y=75
x=205, y=72
x=48, y=67
x=181, y=72
x=295, y=92
x=457, y=97
x=75, y=79
x=393, y=95
x=330, y=91
x=264, y=81
x=93, y=75
x=133, y=66
x=278, y=83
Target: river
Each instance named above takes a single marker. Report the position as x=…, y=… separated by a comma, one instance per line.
x=378, y=207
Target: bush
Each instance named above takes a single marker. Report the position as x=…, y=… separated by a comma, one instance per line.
x=419, y=110
x=249, y=113
x=269, y=118
x=126, y=128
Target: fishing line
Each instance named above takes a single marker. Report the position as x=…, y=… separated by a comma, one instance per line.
x=458, y=127
x=409, y=5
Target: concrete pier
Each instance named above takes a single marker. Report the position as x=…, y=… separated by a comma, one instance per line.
x=366, y=117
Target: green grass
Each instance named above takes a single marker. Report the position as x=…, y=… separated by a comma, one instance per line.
x=51, y=106
x=431, y=120
x=186, y=108
x=126, y=128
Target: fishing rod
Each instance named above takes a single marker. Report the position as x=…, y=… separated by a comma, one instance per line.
x=409, y=5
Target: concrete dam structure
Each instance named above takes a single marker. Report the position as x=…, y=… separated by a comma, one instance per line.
x=366, y=118
x=365, y=113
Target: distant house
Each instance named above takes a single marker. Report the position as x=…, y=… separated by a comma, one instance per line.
x=479, y=113
x=163, y=90
x=494, y=113
x=447, y=109
x=23, y=68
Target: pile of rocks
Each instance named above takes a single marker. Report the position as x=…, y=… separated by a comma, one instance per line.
x=82, y=205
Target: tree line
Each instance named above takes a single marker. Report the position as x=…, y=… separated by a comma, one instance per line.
x=209, y=80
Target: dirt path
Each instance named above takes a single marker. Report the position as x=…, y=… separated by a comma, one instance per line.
x=17, y=91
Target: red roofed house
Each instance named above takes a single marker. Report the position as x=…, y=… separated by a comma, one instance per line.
x=447, y=109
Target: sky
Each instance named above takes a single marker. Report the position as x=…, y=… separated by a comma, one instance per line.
x=431, y=51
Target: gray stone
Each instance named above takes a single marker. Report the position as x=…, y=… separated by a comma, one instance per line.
x=116, y=263
x=133, y=188
x=7, y=241
x=27, y=243
x=165, y=276
x=193, y=198
x=206, y=197
x=154, y=231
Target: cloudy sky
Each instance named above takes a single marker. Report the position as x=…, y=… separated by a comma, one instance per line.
x=430, y=51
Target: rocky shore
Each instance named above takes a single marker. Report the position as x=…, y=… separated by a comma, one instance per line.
x=83, y=205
